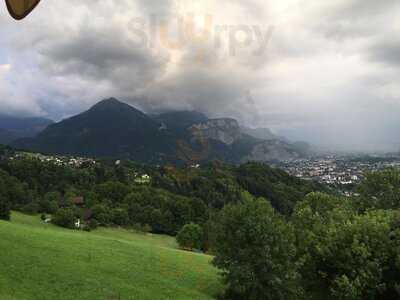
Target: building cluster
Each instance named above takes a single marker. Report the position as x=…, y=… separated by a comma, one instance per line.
x=80, y=162
x=142, y=179
x=337, y=170
x=75, y=162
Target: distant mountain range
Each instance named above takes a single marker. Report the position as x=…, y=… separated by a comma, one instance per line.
x=114, y=129
x=13, y=128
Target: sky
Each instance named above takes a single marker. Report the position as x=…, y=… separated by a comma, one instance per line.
x=326, y=72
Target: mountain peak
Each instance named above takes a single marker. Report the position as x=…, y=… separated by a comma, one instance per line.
x=114, y=106
x=110, y=102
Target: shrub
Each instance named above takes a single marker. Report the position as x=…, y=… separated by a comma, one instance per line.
x=65, y=217
x=31, y=208
x=146, y=228
x=120, y=216
x=190, y=237
x=93, y=224
x=4, y=208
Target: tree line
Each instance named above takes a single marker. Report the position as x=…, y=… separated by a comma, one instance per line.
x=174, y=196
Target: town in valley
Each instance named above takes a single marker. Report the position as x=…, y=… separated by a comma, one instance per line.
x=339, y=170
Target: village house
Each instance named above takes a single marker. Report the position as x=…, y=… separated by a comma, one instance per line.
x=143, y=179
x=78, y=201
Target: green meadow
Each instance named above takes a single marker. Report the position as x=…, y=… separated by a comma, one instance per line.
x=41, y=261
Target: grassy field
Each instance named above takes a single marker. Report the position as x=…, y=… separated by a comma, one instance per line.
x=41, y=261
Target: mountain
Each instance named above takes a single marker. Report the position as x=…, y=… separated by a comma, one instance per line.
x=117, y=130
x=6, y=136
x=263, y=134
x=224, y=130
x=303, y=148
x=260, y=133
x=13, y=128
x=177, y=120
x=108, y=129
x=299, y=147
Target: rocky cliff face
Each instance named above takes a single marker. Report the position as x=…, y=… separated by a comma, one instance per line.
x=260, y=133
x=272, y=150
x=226, y=130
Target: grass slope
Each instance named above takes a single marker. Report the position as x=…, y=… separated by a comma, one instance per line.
x=41, y=261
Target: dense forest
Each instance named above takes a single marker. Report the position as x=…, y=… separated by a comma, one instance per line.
x=109, y=193
x=273, y=236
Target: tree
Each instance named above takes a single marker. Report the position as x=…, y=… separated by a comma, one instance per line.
x=12, y=189
x=355, y=256
x=112, y=190
x=281, y=189
x=255, y=250
x=190, y=237
x=120, y=216
x=65, y=217
x=4, y=208
x=49, y=202
x=165, y=212
x=380, y=190
x=102, y=214
x=344, y=254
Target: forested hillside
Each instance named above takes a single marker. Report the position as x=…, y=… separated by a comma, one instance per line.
x=113, y=194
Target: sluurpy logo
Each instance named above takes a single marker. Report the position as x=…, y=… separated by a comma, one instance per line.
x=199, y=34
x=19, y=9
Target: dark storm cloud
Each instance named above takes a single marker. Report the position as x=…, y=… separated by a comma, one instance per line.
x=327, y=65
x=102, y=53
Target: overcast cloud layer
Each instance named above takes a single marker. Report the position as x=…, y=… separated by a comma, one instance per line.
x=323, y=71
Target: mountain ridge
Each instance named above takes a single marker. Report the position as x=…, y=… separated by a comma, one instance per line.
x=112, y=128
x=13, y=128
